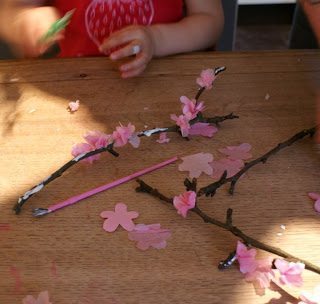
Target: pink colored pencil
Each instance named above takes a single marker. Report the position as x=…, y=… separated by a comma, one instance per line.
x=77, y=198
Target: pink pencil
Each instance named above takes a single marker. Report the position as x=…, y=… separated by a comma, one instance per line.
x=77, y=198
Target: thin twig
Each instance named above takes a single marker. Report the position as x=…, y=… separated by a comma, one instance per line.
x=227, y=225
x=213, y=187
x=27, y=195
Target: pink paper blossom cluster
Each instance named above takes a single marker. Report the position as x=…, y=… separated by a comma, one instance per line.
x=190, y=110
x=261, y=272
x=96, y=140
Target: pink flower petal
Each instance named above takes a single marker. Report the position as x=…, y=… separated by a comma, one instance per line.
x=148, y=236
x=204, y=129
x=184, y=202
x=196, y=164
x=43, y=298
x=313, y=195
x=134, y=140
x=246, y=258
x=122, y=134
x=97, y=139
x=163, y=139
x=74, y=106
x=225, y=164
x=119, y=217
x=191, y=108
x=310, y=298
x=237, y=152
x=290, y=273
x=206, y=78
x=183, y=123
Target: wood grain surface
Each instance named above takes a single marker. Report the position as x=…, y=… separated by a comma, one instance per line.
x=70, y=255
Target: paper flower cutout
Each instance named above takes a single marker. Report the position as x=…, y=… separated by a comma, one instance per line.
x=257, y=271
x=163, y=139
x=123, y=134
x=120, y=216
x=221, y=165
x=184, y=202
x=196, y=164
x=262, y=274
x=310, y=298
x=74, y=106
x=290, y=272
x=237, y=152
x=204, y=129
x=43, y=298
x=191, y=108
x=206, y=79
x=246, y=258
x=316, y=198
x=183, y=123
x=148, y=236
x=94, y=140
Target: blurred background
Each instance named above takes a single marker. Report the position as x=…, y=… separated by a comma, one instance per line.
x=265, y=25
x=256, y=25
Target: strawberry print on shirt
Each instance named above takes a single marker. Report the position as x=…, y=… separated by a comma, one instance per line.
x=104, y=17
x=94, y=20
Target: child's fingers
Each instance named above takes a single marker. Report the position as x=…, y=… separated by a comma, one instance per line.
x=130, y=49
x=133, y=72
x=118, y=38
x=139, y=61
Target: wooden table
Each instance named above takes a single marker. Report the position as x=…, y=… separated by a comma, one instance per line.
x=70, y=255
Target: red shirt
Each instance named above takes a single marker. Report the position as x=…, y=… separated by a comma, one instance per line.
x=95, y=20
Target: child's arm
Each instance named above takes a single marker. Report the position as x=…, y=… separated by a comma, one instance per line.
x=312, y=11
x=23, y=23
x=199, y=30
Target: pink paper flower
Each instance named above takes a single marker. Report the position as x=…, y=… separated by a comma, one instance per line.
x=74, y=106
x=310, y=298
x=221, y=165
x=290, y=273
x=237, y=152
x=196, y=164
x=257, y=271
x=184, y=202
x=98, y=139
x=148, y=236
x=204, y=129
x=183, y=122
x=122, y=135
x=43, y=298
x=316, y=198
x=120, y=216
x=95, y=140
x=246, y=258
x=206, y=79
x=163, y=139
x=191, y=108
x=262, y=274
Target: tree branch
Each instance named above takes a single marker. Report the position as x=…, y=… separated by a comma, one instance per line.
x=227, y=225
x=213, y=187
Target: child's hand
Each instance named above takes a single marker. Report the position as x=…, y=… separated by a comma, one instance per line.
x=131, y=41
x=30, y=25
